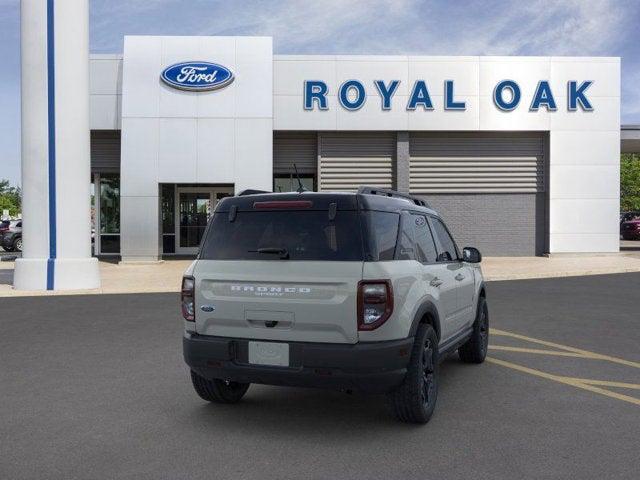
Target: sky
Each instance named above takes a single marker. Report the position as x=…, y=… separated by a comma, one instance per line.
x=426, y=27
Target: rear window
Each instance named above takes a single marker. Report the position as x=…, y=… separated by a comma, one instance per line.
x=304, y=234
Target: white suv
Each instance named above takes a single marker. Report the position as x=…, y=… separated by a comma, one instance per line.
x=358, y=291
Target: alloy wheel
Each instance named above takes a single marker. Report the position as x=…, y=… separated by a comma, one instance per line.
x=428, y=374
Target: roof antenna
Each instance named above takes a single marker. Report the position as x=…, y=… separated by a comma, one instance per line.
x=301, y=188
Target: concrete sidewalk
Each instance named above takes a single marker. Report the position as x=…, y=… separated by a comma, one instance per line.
x=166, y=276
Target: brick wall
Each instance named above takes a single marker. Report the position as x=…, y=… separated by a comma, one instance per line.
x=496, y=224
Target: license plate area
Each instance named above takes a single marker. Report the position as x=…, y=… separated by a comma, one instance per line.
x=269, y=353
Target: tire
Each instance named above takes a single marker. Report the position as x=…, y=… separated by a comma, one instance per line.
x=415, y=400
x=475, y=349
x=17, y=245
x=218, y=391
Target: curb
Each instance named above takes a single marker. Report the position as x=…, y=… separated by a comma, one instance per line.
x=575, y=273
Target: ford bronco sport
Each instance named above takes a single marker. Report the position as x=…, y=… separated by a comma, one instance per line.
x=361, y=291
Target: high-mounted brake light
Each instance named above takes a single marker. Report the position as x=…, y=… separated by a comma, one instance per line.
x=284, y=204
x=187, y=299
x=375, y=303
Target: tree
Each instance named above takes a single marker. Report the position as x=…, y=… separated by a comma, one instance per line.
x=10, y=198
x=630, y=182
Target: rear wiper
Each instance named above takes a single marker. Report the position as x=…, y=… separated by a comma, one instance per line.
x=284, y=254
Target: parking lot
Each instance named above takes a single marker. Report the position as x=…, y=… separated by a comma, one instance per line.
x=95, y=387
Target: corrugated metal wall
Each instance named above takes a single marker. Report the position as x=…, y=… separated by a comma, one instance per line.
x=300, y=148
x=476, y=162
x=351, y=159
x=105, y=151
x=488, y=186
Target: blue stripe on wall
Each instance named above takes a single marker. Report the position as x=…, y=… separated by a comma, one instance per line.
x=51, y=90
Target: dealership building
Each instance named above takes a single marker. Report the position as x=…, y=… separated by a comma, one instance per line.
x=519, y=154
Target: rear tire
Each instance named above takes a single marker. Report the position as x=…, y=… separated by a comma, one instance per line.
x=17, y=245
x=415, y=400
x=475, y=349
x=218, y=391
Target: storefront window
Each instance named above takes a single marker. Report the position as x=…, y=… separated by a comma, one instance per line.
x=109, y=213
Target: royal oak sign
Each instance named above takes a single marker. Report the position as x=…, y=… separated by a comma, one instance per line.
x=506, y=95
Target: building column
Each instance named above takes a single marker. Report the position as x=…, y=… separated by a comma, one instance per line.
x=56, y=209
x=402, y=162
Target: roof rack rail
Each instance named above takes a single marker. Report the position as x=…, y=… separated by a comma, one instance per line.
x=385, y=192
x=250, y=191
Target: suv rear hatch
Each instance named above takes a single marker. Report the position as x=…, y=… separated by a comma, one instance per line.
x=281, y=267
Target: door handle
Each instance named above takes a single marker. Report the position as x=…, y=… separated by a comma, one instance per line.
x=436, y=282
x=459, y=277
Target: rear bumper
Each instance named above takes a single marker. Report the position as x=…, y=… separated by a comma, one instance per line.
x=373, y=367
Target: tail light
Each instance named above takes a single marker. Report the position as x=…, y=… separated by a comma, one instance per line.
x=375, y=303
x=187, y=298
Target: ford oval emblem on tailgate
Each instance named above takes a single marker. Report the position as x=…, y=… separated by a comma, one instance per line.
x=207, y=308
x=197, y=76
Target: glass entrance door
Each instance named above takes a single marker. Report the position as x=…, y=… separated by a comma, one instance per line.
x=194, y=210
x=194, y=207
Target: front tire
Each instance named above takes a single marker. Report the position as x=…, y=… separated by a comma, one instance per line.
x=17, y=245
x=475, y=349
x=218, y=391
x=415, y=400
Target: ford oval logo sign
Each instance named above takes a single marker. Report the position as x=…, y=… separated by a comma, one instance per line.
x=197, y=76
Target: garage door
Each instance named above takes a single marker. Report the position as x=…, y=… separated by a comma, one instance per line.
x=105, y=151
x=351, y=159
x=297, y=148
x=489, y=187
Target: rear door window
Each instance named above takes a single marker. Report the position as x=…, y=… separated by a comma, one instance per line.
x=406, y=244
x=447, y=249
x=424, y=240
x=303, y=234
x=382, y=228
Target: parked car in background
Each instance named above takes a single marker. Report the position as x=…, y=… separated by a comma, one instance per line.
x=11, y=236
x=630, y=225
x=4, y=226
x=626, y=216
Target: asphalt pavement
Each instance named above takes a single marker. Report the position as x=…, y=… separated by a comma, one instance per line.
x=94, y=387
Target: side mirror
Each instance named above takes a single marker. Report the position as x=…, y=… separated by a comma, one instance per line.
x=471, y=255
